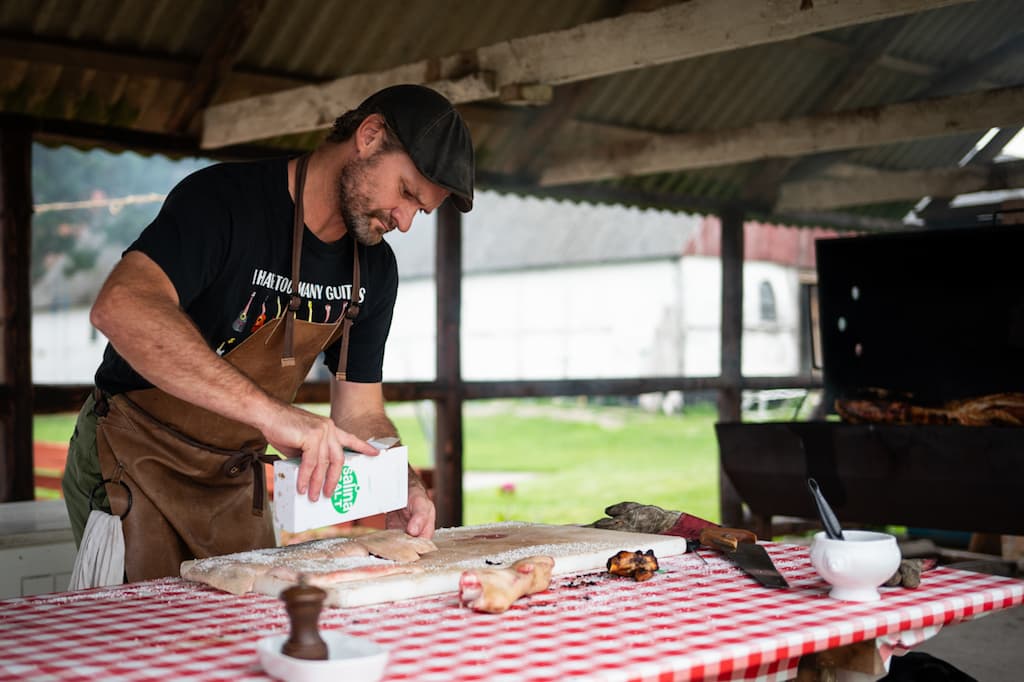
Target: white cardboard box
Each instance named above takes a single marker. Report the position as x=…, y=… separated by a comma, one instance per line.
x=369, y=484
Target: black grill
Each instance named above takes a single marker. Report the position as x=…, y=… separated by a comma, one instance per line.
x=927, y=317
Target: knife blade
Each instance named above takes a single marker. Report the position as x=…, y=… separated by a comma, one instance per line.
x=742, y=548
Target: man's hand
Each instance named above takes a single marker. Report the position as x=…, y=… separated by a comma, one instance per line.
x=418, y=517
x=360, y=407
x=320, y=443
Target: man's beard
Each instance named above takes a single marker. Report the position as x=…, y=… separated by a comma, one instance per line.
x=354, y=202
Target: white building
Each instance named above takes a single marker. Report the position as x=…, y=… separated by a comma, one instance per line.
x=555, y=290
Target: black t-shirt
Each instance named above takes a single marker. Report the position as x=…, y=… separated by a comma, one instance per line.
x=224, y=238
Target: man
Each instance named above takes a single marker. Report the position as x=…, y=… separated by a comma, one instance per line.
x=213, y=325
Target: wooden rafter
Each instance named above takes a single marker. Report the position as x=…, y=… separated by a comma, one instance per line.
x=545, y=123
x=936, y=205
x=131, y=63
x=971, y=76
x=114, y=138
x=543, y=126
x=632, y=41
x=806, y=135
x=134, y=63
x=881, y=187
x=768, y=177
x=217, y=61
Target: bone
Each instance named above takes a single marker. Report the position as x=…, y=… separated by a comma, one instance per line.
x=493, y=590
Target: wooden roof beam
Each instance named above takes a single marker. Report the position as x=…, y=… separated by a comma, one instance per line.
x=130, y=63
x=217, y=62
x=544, y=125
x=937, y=205
x=624, y=43
x=971, y=76
x=873, y=126
x=765, y=179
x=882, y=187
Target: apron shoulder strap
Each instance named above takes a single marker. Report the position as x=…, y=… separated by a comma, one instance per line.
x=288, y=352
x=351, y=312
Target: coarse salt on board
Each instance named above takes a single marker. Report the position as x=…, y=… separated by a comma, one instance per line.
x=573, y=548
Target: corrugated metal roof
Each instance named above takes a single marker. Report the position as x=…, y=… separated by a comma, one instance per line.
x=128, y=66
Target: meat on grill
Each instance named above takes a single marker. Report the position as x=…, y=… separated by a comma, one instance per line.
x=998, y=409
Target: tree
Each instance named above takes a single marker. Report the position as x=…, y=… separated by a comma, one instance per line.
x=66, y=174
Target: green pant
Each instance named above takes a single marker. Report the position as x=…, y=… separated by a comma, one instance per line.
x=82, y=472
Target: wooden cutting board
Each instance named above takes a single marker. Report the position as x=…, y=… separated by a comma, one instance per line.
x=573, y=548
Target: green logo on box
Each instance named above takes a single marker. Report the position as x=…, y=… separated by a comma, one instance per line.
x=344, y=497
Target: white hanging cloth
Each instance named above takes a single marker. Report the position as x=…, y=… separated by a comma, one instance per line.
x=100, y=559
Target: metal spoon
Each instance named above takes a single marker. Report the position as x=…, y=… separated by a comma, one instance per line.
x=828, y=517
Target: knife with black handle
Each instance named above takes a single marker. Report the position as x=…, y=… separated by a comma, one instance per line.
x=741, y=546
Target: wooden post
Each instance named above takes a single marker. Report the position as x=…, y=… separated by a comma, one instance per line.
x=15, y=310
x=729, y=397
x=448, y=433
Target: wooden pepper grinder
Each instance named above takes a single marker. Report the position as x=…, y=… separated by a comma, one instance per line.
x=303, y=603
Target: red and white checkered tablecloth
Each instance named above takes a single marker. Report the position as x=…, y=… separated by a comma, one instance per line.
x=691, y=621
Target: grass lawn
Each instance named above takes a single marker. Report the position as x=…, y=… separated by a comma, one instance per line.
x=53, y=428
x=589, y=458
x=583, y=458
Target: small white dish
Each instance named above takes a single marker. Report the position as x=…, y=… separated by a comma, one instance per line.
x=857, y=566
x=354, y=659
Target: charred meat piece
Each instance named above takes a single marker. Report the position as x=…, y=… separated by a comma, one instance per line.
x=637, y=565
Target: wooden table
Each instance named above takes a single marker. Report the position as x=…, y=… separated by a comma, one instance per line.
x=692, y=621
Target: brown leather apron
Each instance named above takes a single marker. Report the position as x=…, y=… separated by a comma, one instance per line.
x=193, y=483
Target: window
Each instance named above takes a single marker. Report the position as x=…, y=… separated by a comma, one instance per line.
x=766, y=296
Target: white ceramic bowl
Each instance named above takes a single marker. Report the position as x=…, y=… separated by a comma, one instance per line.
x=856, y=566
x=353, y=659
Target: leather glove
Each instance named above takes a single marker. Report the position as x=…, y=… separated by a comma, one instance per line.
x=637, y=518
x=907, y=575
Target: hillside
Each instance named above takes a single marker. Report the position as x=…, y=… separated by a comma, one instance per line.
x=73, y=248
